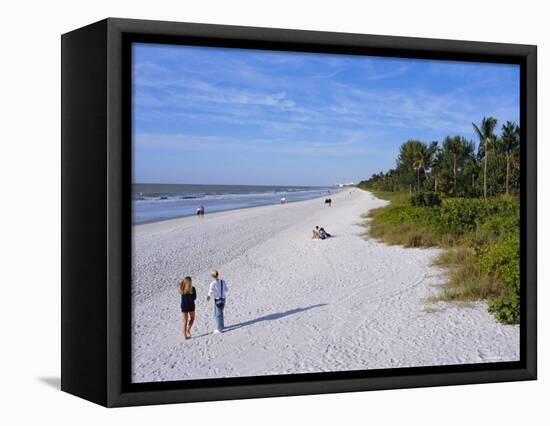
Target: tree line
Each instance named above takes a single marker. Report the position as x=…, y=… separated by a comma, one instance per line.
x=458, y=167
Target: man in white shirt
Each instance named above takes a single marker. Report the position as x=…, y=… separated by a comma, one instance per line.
x=218, y=291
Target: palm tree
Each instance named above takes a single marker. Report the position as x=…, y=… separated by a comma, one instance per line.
x=429, y=154
x=455, y=153
x=510, y=140
x=436, y=170
x=471, y=168
x=409, y=162
x=417, y=167
x=424, y=159
x=485, y=134
x=454, y=147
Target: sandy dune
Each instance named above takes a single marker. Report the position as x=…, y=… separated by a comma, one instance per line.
x=298, y=305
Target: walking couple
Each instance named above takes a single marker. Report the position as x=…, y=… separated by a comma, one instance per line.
x=217, y=292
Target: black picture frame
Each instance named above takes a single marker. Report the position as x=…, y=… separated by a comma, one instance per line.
x=96, y=225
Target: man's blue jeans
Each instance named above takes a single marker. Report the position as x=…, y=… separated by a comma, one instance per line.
x=218, y=314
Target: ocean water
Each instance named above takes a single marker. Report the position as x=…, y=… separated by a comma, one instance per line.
x=154, y=202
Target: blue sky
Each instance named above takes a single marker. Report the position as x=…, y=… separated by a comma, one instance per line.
x=235, y=116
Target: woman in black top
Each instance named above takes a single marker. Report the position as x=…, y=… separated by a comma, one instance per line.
x=188, y=296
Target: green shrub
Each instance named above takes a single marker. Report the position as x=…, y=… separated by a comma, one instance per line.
x=461, y=215
x=486, y=229
x=506, y=308
x=432, y=199
x=455, y=216
x=502, y=261
x=428, y=199
x=501, y=225
x=502, y=257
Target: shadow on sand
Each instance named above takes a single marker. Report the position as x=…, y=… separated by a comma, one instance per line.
x=272, y=317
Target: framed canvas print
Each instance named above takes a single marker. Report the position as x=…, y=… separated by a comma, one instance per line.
x=254, y=212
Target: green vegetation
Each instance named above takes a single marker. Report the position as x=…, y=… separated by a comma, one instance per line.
x=426, y=199
x=464, y=202
x=454, y=168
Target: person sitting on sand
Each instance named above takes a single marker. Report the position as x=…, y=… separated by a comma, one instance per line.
x=325, y=233
x=317, y=234
x=188, y=296
x=218, y=291
x=320, y=233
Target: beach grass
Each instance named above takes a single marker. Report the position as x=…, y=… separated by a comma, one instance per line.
x=466, y=281
x=480, y=239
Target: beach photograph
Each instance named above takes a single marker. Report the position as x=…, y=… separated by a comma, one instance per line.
x=298, y=212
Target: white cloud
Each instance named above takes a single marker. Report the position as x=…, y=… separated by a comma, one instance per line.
x=340, y=145
x=291, y=106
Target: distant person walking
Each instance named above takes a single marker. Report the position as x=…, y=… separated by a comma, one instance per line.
x=188, y=296
x=218, y=291
x=200, y=210
x=330, y=202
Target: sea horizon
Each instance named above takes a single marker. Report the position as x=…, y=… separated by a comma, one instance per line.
x=152, y=202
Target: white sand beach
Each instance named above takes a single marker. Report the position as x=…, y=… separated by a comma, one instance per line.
x=297, y=305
